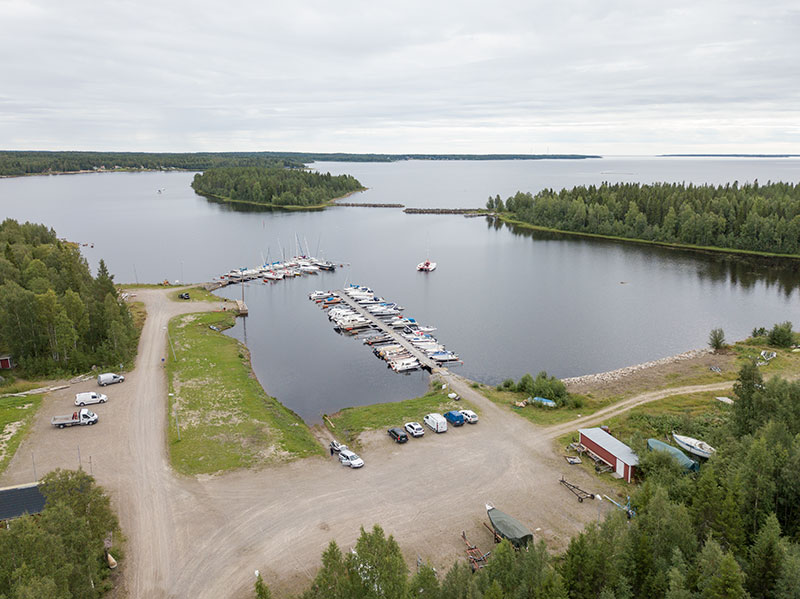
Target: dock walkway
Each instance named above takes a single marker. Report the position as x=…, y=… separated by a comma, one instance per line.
x=424, y=360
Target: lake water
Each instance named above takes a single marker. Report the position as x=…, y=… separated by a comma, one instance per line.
x=509, y=302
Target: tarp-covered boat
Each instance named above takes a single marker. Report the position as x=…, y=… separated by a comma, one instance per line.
x=508, y=527
x=682, y=458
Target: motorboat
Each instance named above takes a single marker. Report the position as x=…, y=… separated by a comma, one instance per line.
x=426, y=266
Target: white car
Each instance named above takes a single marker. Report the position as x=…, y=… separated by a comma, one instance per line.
x=82, y=399
x=348, y=458
x=414, y=429
x=469, y=416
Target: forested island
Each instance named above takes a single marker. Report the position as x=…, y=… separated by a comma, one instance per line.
x=19, y=163
x=750, y=217
x=55, y=318
x=277, y=187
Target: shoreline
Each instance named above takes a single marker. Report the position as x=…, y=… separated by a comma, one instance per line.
x=618, y=373
x=733, y=252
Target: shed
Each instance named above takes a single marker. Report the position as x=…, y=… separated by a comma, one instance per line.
x=610, y=450
x=20, y=500
x=6, y=362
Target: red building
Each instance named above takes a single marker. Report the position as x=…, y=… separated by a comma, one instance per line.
x=610, y=450
x=6, y=362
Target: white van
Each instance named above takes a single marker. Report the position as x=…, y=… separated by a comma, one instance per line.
x=82, y=399
x=435, y=422
x=109, y=378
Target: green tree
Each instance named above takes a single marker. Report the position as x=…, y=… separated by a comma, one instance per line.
x=424, y=584
x=331, y=582
x=376, y=567
x=261, y=589
x=781, y=335
x=716, y=339
x=765, y=566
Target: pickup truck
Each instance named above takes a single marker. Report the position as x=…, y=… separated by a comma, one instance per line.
x=81, y=417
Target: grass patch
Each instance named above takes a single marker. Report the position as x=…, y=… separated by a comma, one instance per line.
x=139, y=314
x=16, y=417
x=351, y=422
x=17, y=386
x=196, y=294
x=542, y=415
x=226, y=419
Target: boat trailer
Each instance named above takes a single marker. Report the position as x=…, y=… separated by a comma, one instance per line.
x=477, y=560
x=629, y=511
x=577, y=491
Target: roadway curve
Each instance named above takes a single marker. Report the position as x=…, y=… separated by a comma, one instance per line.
x=204, y=537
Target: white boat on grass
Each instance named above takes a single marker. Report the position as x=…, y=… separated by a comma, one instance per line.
x=694, y=446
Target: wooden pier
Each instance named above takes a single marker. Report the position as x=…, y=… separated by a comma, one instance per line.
x=423, y=359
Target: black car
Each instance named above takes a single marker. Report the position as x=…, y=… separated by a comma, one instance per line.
x=398, y=435
x=184, y=296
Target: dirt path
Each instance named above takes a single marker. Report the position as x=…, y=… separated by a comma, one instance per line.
x=205, y=537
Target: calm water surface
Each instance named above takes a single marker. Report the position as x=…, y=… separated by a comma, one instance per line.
x=508, y=302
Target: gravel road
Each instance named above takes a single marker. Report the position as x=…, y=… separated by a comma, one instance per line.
x=204, y=537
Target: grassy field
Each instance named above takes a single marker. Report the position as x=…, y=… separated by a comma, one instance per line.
x=349, y=423
x=226, y=419
x=16, y=416
x=541, y=414
x=197, y=294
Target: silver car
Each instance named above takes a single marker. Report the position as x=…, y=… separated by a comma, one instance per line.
x=348, y=458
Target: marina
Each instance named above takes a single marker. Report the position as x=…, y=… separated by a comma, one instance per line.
x=400, y=341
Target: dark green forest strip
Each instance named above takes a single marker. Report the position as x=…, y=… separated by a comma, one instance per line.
x=752, y=218
x=55, y=318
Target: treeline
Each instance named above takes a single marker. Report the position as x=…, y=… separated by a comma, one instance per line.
x=29, y=163
x=730, y=531
x=60, y=553
x=54, y=316
x=751, y=217
x=274, y=186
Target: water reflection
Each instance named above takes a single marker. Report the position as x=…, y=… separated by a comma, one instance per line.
x=739, y=270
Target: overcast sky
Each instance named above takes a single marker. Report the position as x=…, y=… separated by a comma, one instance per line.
x=593, y=76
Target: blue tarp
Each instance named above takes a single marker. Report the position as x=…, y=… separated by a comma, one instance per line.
x=545, y=402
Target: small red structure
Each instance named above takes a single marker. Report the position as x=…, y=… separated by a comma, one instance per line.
x=610, y=450
x=6, y=362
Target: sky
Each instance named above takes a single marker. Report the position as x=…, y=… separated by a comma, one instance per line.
x=603, y=77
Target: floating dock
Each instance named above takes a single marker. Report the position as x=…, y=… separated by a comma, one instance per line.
x=423, y=359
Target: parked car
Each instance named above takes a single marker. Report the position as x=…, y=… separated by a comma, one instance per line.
x=337, y=447
x=81, y=399
x=348, y=458
x=470, y=416
x=454, y=418
x=184, y=295
x=109, y=378
x=415, y=429
x=398, y=434
x=435, y=422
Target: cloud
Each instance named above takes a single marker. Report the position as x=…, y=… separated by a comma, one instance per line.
x=580, y=76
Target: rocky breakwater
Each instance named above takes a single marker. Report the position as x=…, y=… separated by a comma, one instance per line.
x=614, y=375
